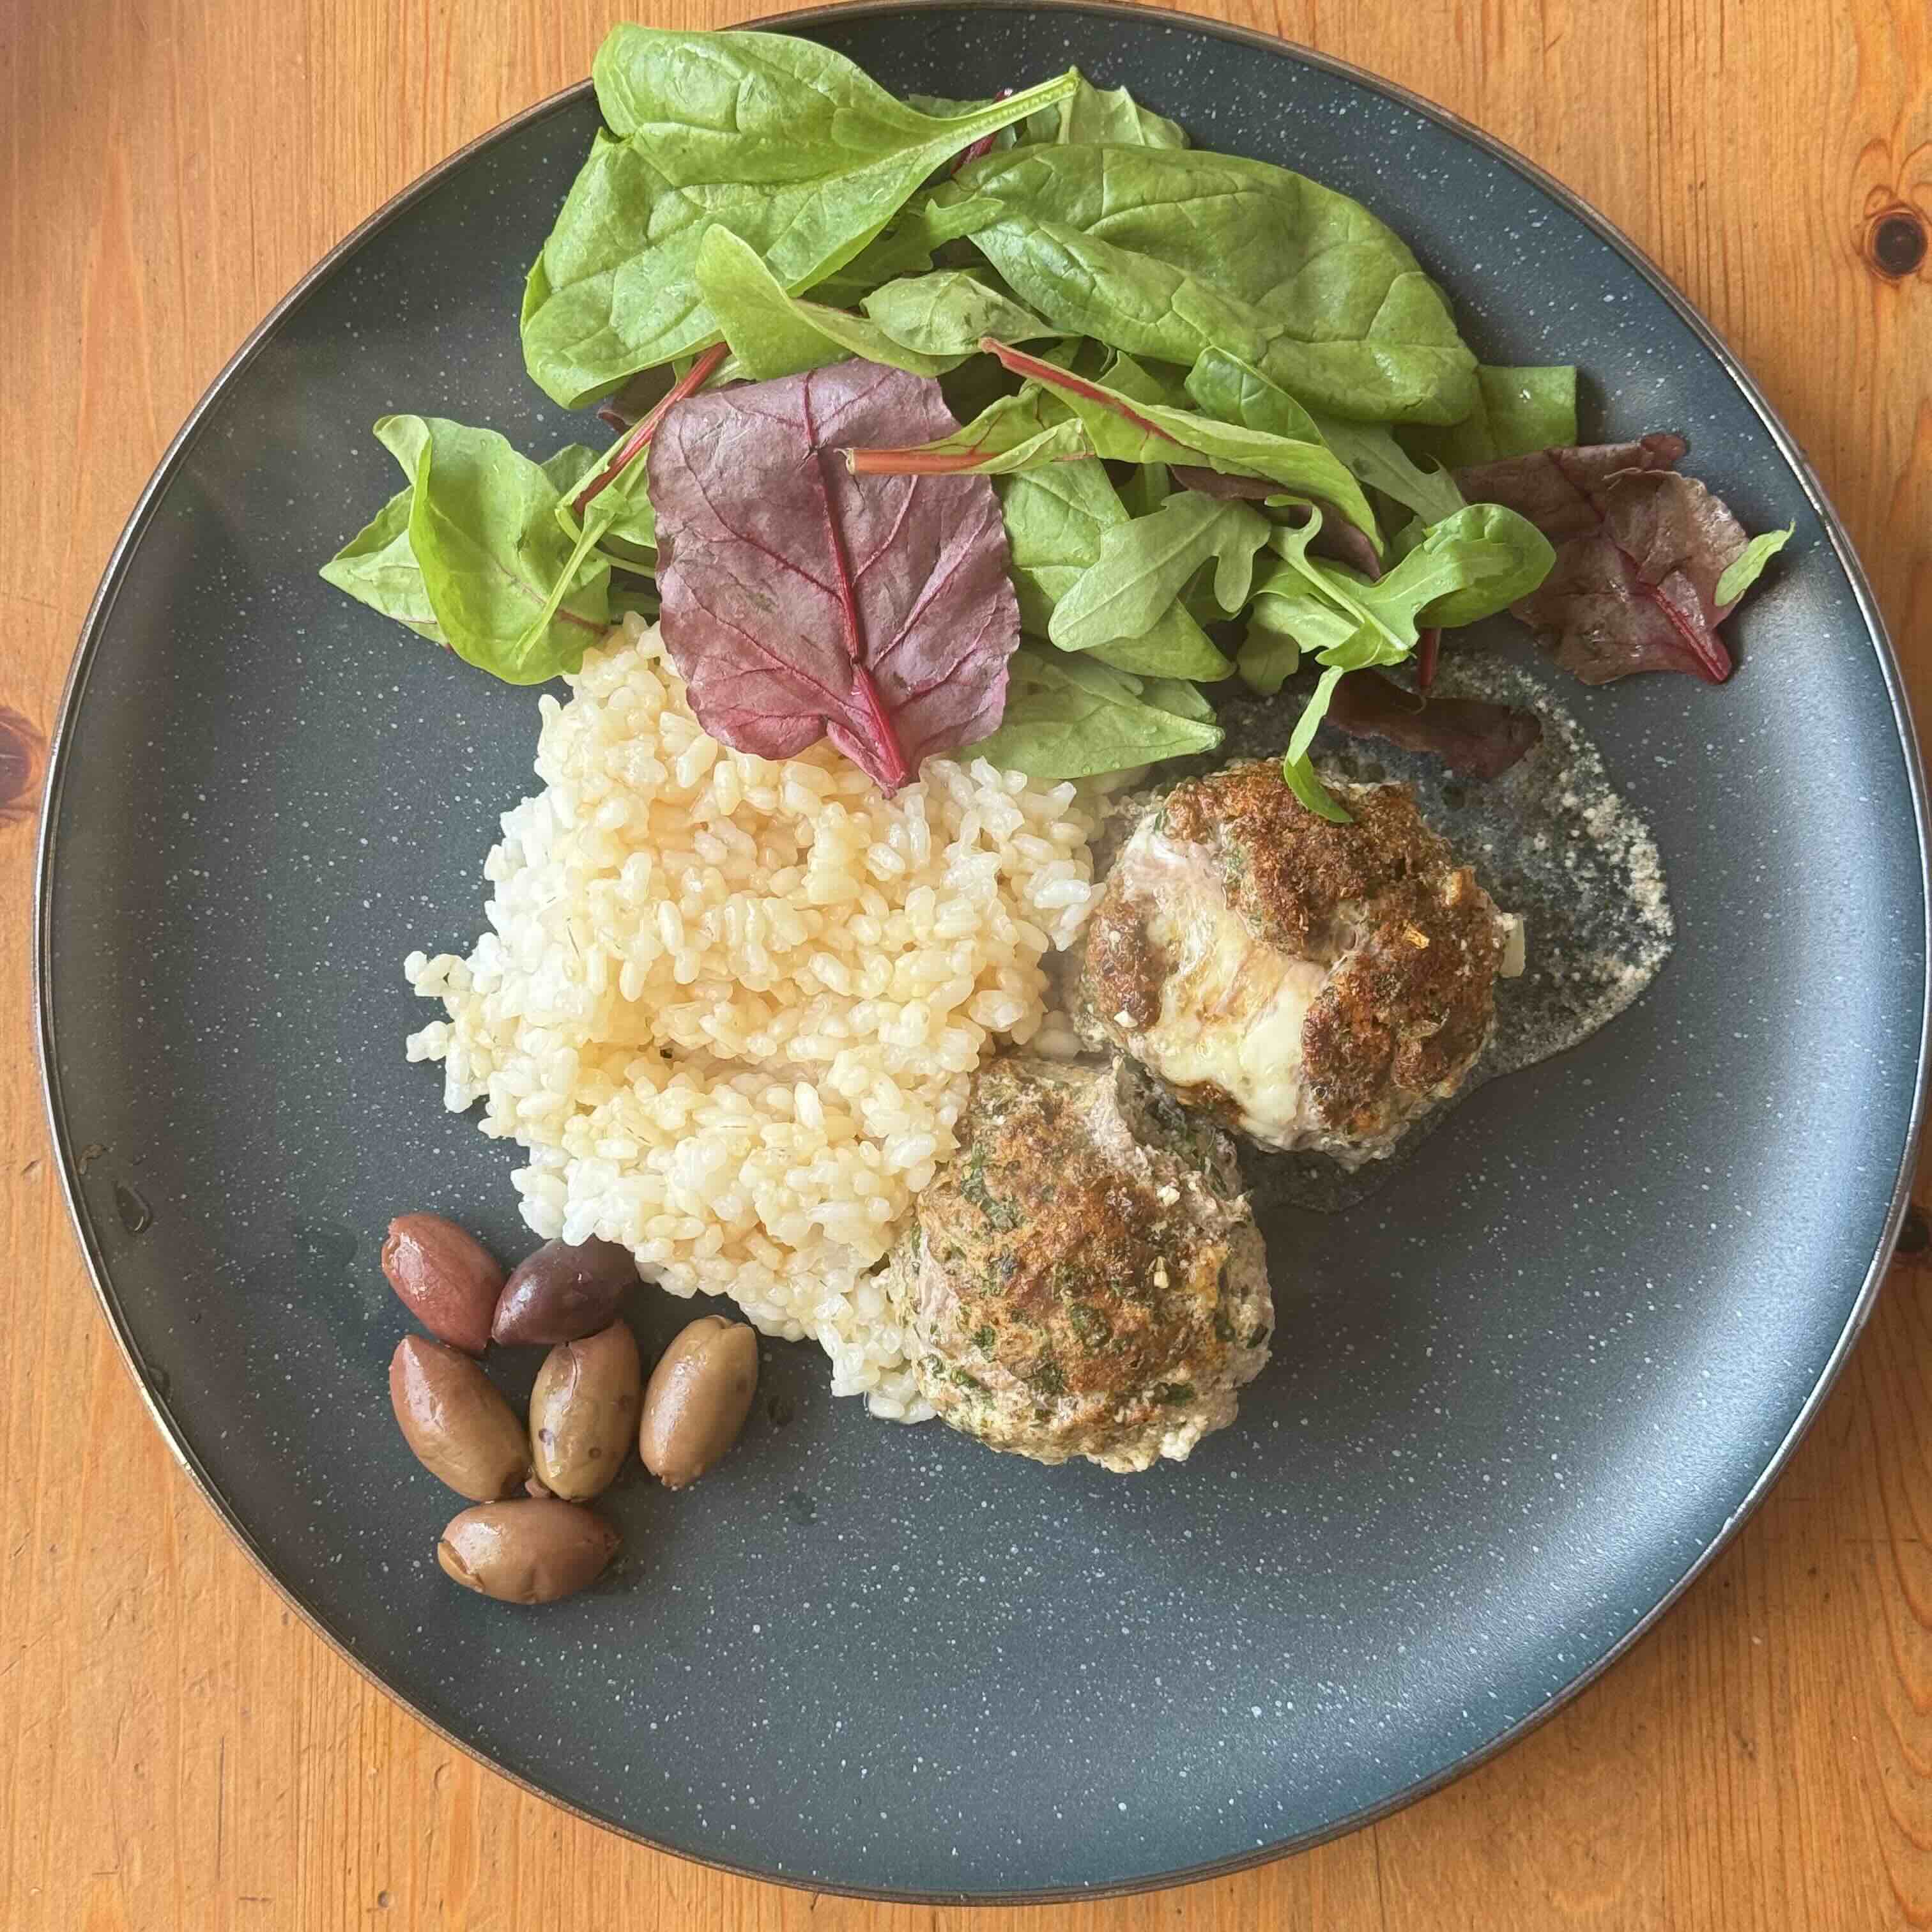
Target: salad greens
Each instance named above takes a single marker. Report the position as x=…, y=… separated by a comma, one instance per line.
x=1168, y=252
x=784, y=143
x=1245, y=409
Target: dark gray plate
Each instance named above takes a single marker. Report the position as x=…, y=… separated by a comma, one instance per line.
x=1524, y=1396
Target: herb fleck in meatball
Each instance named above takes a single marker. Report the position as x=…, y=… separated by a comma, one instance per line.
x=1084, y=1278
x=1316, y=986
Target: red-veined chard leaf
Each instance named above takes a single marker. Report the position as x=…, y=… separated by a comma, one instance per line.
x=801, y=601
x=1473, y=737
x=1640, y=592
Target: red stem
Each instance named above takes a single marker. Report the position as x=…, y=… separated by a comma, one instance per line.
x=1055, y=377
x=984, y=144
x=897, y=771
x=694, y=378
x=1428, y=648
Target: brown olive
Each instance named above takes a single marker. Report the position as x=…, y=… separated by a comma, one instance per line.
x=583, y=1412
x=463, y=1432
x=533, y=1550
x=446, y=1278
x=699, y=1394
x=564, y=1291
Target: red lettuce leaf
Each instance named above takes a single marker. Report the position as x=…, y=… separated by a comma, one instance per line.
x=800, y=601
x=1639, y=592
x=1561, y=491
x=1474, y=738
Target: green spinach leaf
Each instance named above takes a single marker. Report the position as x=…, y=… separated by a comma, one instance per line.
x=1168, y=253
x=377, y=567
x=785, y=143
x=1515, y=411
x=1070, y=718
x=509, y=591
x=948, y=313
x=1103, y=116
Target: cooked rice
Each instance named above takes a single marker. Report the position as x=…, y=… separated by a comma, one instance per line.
x=732, y=1005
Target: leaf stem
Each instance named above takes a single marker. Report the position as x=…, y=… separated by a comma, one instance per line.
x=694, y=378
x=1055, y=377
x=893, y=754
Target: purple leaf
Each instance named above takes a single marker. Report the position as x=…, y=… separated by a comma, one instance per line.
x=1227, y=489
x=801, y=601
x=1473, y=737
x=1639, y=592
x=1561, y=491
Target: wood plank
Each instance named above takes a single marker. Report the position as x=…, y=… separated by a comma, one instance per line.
x=181, y=1751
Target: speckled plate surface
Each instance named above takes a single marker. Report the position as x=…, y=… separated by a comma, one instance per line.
x=1516, y=1402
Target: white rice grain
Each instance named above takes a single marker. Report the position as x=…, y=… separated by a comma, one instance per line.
x=731, y=1006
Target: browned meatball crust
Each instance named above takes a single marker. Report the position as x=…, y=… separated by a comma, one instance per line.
x=1084, y=1277
x=1317, y=985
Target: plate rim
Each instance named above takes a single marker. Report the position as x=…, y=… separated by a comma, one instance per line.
x=107, y=593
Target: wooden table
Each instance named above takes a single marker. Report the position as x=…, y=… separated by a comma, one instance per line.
x=177, y=1750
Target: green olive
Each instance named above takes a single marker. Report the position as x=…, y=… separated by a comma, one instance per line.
x=699, y=1394
x=463, y=1432
x=533, y=1550
x=584, y=1410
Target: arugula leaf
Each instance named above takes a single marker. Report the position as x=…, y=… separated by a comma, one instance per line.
x=785, y=143
x=1070, y=718
x=1144, y=564
x=1057, y=518
x=1167, y=253
x=1516, y=411
x=507, y=589
x=1120, y=429
x=1467, y=567
x=1296, y=769
x=1747, y=566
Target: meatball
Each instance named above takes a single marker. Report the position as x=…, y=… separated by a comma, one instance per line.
x=1084, y=1277
x=1315, y=985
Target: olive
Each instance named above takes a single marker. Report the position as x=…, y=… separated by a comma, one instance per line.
x=583, y=1412
x=564, y=1291
x=446, y=1278
x=533, y=1550
x=463, y=1432
x=699, y=1394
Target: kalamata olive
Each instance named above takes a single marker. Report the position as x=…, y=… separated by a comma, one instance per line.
x=533, y=1550
x=463, y=1432
x=699, y=1394
x=564, y=1291
x=447, y=1279
x=584, y=1410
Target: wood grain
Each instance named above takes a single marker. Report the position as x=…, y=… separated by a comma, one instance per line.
x=177, y=1750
